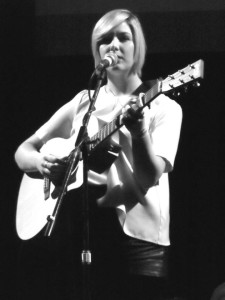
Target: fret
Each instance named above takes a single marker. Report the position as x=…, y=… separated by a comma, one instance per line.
x=108, y=129
x=102, y=134
x=152, y=93
x=111, y=126
x=105, y=131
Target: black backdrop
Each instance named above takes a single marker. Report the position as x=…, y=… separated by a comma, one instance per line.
x=36, y=80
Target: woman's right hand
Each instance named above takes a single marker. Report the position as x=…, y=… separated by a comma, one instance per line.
x=52, y=167
x=30, y=160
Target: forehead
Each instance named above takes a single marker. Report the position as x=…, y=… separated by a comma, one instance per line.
x=122, y=28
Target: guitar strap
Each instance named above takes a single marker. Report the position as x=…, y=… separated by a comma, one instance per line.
x=145, y=86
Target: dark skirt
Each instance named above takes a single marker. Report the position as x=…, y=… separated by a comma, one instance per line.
x=145, y=258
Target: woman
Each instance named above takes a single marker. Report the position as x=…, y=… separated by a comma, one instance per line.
x=137, y=182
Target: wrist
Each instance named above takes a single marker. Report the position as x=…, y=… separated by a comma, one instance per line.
x=139, y=135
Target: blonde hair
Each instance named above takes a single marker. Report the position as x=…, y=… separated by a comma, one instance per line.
x=111, y=20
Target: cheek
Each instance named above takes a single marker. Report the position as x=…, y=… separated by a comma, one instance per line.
x=130, y=50
x=102, y=51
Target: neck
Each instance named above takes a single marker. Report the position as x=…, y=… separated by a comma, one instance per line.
x=123, y=86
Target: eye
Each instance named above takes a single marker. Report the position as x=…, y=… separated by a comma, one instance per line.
x=123, y=37
x=105, y=40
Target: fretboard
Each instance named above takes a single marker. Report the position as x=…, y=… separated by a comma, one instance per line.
x=106, y=131
x=111, y=127
x=182, y=78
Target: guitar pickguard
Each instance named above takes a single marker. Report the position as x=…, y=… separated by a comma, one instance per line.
x=103, y=155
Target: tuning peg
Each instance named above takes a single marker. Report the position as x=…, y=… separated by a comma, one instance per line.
x=185, y=89
x=176, y=94
x=196, y=84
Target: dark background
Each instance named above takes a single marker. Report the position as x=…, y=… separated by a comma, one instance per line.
x=46, y=59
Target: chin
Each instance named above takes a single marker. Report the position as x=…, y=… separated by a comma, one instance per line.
x=117, y=68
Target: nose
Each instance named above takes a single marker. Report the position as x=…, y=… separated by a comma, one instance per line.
x=114, y=45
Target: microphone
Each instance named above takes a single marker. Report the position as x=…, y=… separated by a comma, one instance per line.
x=109, y=60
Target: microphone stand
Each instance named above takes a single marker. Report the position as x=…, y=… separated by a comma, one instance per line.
x=83, y=140
x=82, y=143
x=80, y=150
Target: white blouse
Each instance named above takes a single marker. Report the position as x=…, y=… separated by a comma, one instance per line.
x=142, y=214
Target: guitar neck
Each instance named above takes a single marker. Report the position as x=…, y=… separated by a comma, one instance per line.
x=106, y=131
x=181, y=79
x=111, y=127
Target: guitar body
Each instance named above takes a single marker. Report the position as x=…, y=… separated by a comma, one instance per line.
x=32, y=208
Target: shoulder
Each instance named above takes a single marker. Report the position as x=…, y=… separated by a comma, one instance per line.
x=165, y=103
x=79, y=97
x=77, y=102
x=165, y=110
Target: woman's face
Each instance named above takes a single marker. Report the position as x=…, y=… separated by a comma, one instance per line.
x=119, y=40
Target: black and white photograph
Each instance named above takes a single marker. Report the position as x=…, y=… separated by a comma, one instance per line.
x=113, y=150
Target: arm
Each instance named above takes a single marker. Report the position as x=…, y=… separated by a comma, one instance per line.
x=31, y=160
x=149, y=162
x=148, y=167
x=28, y=156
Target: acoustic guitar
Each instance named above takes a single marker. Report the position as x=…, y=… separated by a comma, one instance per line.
x=34, y=206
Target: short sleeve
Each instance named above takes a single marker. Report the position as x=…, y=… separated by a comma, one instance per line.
x=166, y=127
x=60, y=124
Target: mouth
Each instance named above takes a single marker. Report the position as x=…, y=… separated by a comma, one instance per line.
x=119, y=58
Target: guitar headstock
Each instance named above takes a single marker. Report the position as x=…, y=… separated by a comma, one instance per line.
x=190, y=75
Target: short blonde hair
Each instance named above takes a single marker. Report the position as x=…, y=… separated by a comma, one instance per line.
x=111, y=20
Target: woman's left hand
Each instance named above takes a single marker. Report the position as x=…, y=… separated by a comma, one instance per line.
x=133, y=118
